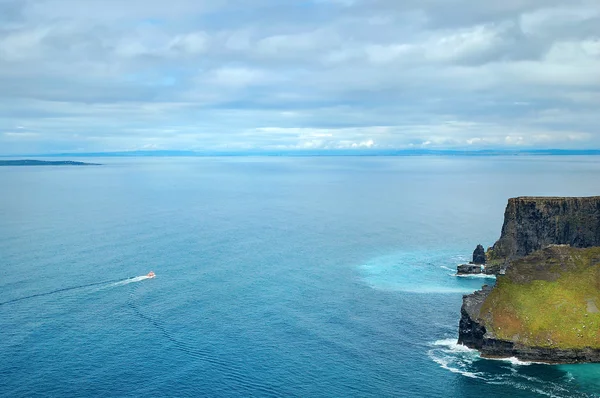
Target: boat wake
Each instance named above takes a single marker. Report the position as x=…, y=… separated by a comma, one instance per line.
x=235, y=374
x=101, y=285
x=537, y=378
x=131, y=280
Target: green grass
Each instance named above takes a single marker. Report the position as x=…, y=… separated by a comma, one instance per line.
x=543, y=300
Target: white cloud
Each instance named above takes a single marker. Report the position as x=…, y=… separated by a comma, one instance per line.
x=23, y=44
x=381, y=54
x=269, y=74
x=297, y=44
x=465, y=43
x=233, y=77
x=546, y=21
x=190, y=43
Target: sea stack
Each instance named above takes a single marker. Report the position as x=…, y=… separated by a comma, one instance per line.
x=475, y=267
x=479, y=255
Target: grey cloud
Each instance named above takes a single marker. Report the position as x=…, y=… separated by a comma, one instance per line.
x=11, y=11
x=367, y=73
x=441, y=13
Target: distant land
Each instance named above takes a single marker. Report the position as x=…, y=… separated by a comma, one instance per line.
x=324, y=152
x=29, y=162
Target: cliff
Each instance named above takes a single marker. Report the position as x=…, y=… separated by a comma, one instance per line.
x=545, y=308
x=531, y=223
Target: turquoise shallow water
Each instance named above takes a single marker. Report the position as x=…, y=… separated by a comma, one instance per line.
x=275, y=276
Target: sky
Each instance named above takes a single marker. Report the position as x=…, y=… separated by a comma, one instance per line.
x=225, y=75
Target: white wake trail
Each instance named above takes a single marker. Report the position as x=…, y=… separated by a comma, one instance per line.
x=131, y=280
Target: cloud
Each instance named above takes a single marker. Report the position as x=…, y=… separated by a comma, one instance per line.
x=20, y=135
x=236, y=77
x=325, y=74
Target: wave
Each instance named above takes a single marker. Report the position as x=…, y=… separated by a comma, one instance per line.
x=517, y=362
x=103, y=284
x=454, y=357
x=482, y=276
x=452, y=345
x=433, y=290
x=467, y=362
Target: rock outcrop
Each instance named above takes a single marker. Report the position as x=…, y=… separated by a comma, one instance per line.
x=476, y=266
x=469, y=269
x=471, y=331
x=531, y=223
x=479, y=255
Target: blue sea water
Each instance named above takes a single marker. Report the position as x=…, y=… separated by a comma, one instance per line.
x=274, y=276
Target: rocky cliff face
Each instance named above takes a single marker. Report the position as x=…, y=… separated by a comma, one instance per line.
x=531, y=223
x=471, y=330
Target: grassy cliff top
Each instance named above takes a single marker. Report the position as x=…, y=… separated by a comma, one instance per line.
x=550, y=298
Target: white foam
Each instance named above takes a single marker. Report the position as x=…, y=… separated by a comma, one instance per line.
x=484, y=276
x=444, y=363
x=452, y=345
x=459, y=359
x=131, y=280
x=419, y=273
x=546, y=393
x=433, y=290
x=516, y=361
x=524, y=386
x=454, y=357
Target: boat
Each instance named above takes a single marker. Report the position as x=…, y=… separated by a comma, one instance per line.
x=151, y=274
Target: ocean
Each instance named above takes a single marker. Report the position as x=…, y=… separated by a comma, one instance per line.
x=275, y=276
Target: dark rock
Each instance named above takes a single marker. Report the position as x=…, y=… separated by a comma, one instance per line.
x=497, y=268
x=468, y=269
x=470, y=331
x=479, y=255
x=532, y=223
x=473, y=334
x=493, y=348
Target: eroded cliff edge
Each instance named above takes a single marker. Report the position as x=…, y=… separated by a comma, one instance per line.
x=532, y=223
x=545, y=305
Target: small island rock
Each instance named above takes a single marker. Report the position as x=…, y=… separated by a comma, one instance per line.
x=468, y=269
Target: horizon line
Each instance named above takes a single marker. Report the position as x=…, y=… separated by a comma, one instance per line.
x=311, y=152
